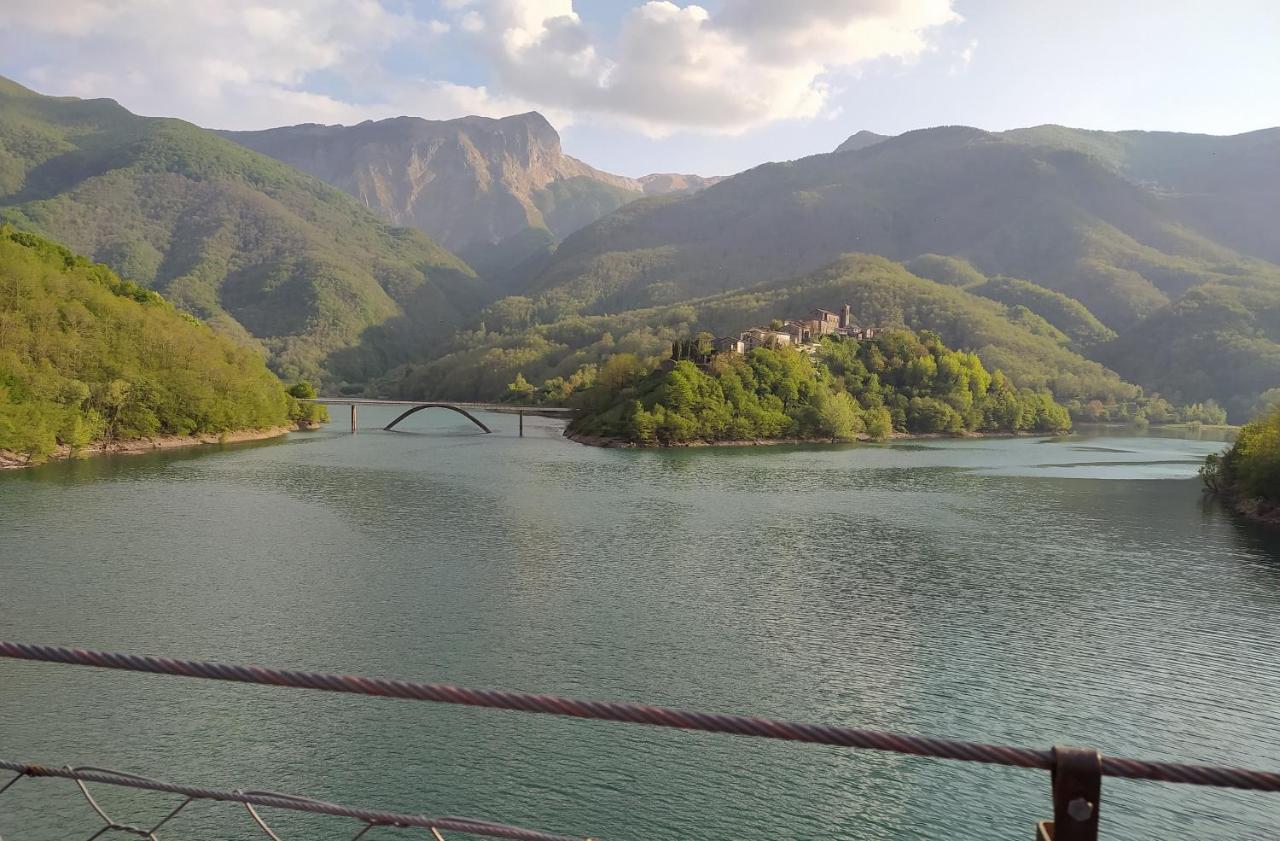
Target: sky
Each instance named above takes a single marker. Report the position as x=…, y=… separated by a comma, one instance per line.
x=640, y=86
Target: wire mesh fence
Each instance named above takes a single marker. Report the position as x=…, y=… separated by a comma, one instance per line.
x=256, y=804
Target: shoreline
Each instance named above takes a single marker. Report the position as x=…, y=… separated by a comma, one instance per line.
x=862, y=438
x=10, y=460
x=1255, y=511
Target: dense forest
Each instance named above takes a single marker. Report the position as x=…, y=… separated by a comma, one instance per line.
x=562, y=357
x=86, y=356
x=900, y=381
x=1248, y=474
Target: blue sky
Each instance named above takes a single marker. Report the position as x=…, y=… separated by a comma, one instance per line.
x=638, y=87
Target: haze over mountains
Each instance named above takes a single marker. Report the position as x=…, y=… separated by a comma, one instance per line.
x=1052, y=252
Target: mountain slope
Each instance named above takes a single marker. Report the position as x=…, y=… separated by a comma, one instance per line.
x=495, y=191
x=1223, y=186
x=860, y=140
x=881, y=293
x=661, y=183
x=1056, y=217
x=264, y=253
x=85, y=356
x=470, y=183
x=1064, y=219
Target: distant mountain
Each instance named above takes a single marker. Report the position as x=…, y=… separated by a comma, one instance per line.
x=1226, y=187
x=1067, y=219
x=471, y=183
x=659, y=184
x=268, y=255
x=495, y=191
x=861, y=140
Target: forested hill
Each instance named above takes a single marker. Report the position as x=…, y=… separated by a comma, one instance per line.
x=86, y=356
x=1009, y=337
x=1148, y=260
x=264, y=253
x=897, y=382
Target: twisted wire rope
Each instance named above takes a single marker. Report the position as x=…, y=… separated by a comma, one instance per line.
x=767, y=728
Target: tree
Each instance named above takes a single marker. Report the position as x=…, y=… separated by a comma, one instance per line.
x=879, y=423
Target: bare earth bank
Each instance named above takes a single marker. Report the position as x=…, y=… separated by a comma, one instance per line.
x=623, y=444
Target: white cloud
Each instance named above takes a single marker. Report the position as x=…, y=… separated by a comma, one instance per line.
x=670, y=66
x=681, y=67
x=234, y=63
x=964, y=58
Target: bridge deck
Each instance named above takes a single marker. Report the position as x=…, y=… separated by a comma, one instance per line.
x=507, y=408
x=464, y=409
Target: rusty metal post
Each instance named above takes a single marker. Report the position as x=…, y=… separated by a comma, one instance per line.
x=1077, y=794
x=353, y=418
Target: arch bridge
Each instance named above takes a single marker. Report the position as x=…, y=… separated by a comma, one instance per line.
x=412, y=407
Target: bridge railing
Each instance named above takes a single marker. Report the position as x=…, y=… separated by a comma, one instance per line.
x=462, y=408
x=1075, y=773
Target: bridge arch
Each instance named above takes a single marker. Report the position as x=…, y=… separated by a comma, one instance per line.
x=419, y=408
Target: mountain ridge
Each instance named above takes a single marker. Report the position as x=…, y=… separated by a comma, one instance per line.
x=1066, y=219
x=268, y=255
x=472, y=183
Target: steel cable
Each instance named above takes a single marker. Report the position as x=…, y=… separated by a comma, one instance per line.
x=966, y=751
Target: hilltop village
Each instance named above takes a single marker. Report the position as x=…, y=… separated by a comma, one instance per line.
x=803, y=334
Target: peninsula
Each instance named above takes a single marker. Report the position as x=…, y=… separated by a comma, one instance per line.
x=90, y=362
x=821, y=378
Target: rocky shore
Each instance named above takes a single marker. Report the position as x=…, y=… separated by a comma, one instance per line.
x=1257, y=511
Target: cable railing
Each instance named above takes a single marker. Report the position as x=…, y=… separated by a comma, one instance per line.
x=1076, y=773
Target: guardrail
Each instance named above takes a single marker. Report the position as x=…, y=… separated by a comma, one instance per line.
x=1075, y=773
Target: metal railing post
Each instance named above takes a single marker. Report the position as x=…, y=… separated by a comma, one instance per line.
x=1077, y=794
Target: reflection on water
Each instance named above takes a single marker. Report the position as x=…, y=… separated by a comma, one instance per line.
x=1023, y=590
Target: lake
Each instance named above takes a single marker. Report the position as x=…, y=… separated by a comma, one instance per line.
x=1027, y=591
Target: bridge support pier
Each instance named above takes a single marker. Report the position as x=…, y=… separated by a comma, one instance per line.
x=353, y=418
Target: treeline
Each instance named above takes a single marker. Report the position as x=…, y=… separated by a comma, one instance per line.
x=86, y=356
x=1027, y=348
x=1251, y=467
x=898, y=382
x=1248, y=474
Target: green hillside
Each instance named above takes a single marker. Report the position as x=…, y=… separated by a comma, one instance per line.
x=880, y=292
x=86, y=356
x=1067, y=315
x=1222, y=186
x=1057, y=217
x=1219, y=340
x=264, y=253
x=897, y=381
x=1097, y=252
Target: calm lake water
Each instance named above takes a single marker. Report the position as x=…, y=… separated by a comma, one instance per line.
x=1024, y=591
